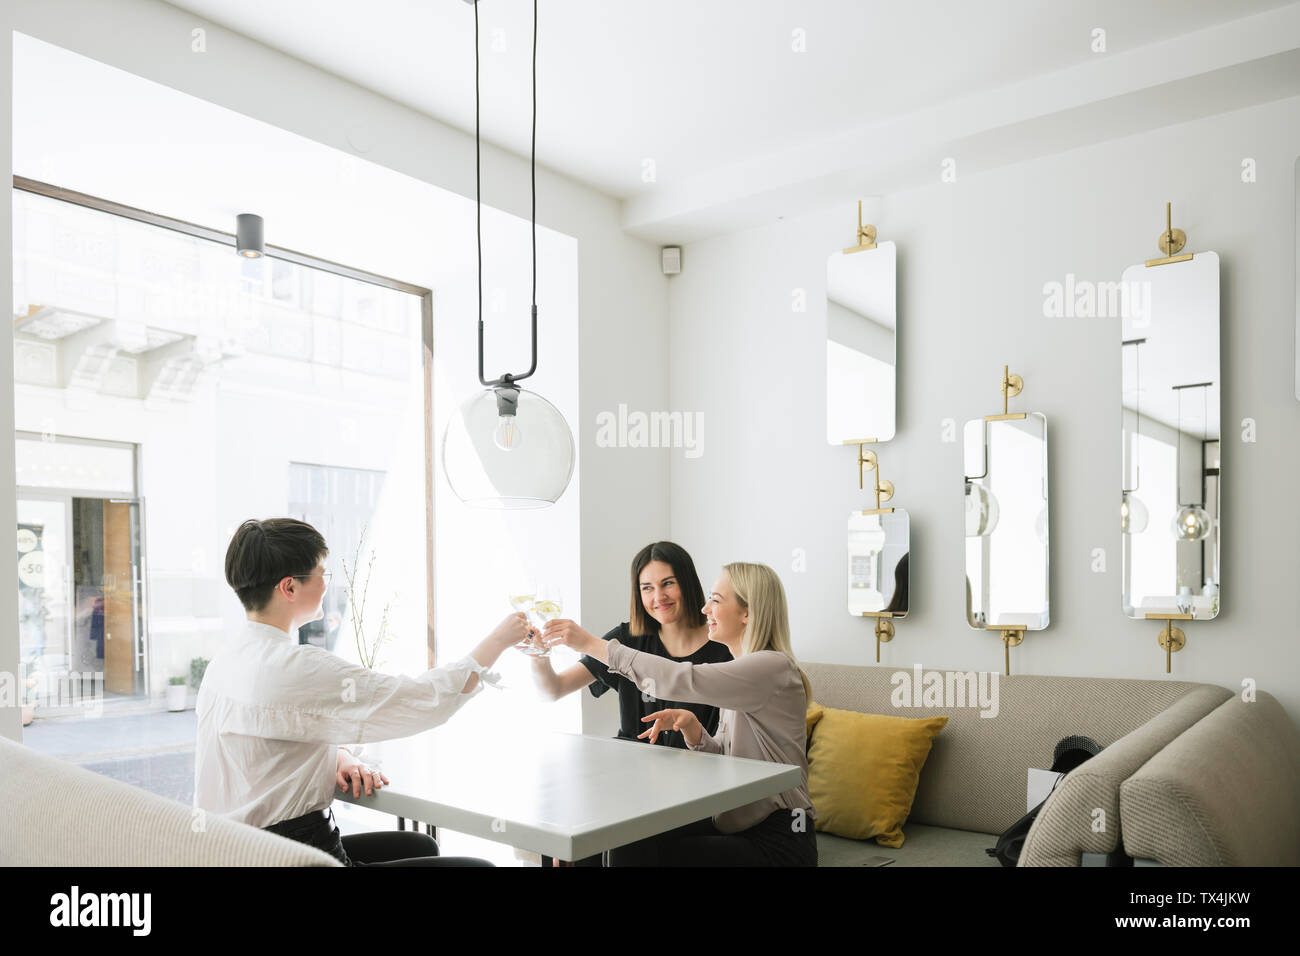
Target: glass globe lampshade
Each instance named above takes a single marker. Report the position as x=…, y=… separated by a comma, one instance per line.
x=507, y=447
x=1192, y=523
x=1133, y=514
x=981, y=510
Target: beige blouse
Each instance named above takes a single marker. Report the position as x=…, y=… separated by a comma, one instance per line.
x=763, y=716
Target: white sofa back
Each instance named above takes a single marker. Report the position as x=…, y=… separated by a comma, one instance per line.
x=54, y=813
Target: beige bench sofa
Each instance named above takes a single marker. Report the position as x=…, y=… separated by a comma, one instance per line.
x=57, y=814
x=1180, y=762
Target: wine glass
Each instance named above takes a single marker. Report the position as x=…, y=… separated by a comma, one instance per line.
x=546, y=607
x=521, y=597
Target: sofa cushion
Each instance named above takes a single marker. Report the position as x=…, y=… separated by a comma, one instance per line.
x=863, y=769
x=1226, y=792
x=925, y=846
x=1083, y=814
x=59, y=814
x=815, y=713
x=974, y=778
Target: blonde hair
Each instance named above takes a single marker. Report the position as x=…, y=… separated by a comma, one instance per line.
x=760, y=592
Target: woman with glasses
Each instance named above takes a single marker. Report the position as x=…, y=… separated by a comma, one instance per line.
x=272, y=713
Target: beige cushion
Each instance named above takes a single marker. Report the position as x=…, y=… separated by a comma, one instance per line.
x=59, y=814
x=975, y=776
x=1065, y=827
x=1225, y=793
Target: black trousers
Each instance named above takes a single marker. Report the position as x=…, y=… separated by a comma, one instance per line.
x=783, y=838
x=382, y=848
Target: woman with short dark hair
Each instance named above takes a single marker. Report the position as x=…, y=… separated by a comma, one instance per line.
x=272, y=713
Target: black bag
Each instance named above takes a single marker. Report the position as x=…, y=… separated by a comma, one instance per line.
x=1069, y=753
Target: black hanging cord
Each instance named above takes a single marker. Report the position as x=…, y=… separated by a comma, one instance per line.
x=506, y=379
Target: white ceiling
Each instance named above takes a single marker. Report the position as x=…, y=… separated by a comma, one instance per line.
x=693, y=85
x=715, y=95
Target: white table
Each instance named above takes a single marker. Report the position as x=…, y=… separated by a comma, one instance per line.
x=566, y=796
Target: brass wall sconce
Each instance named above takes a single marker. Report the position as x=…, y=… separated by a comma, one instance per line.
x=866, y=235
x=1171, y=242
x=884, y=628
x=1012, y=385
x=1012, y=636
x=1171, y=638
x=884, y=489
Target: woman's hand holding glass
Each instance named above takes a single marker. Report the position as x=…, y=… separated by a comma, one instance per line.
x=562, y=631
x=512, y=630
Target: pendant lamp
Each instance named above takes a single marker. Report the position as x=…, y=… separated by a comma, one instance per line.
x=507, y=447
x=1193, y=522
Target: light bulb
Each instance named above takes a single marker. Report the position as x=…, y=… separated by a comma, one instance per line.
x=1133, y=514
x=1192, y=523
x=507, y=435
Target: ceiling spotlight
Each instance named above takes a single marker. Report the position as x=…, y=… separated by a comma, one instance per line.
x=248, y=235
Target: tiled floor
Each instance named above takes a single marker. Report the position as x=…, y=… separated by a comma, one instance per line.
x=154, y=751
x=91, y=738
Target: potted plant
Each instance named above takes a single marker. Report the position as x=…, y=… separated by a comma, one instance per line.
x=176, y=693
x=197, y=667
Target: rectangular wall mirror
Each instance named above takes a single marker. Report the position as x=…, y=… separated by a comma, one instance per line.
x=1006, y=522
x=1169, y=501
x=878, y=562
x=861, y=320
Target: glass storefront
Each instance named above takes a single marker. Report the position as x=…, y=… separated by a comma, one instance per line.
x=165, y=390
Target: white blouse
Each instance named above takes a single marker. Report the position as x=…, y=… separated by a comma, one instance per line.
x=272, y=714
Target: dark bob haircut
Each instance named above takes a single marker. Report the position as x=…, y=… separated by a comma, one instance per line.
x=688, y=582
x=264, y=553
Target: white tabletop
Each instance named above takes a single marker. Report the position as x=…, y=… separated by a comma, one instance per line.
x=566, y=796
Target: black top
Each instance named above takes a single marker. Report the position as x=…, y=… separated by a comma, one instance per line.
x=631, y=706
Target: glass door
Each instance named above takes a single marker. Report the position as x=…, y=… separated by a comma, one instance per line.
x=81, y=620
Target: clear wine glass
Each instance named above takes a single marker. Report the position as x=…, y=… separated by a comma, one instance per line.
x=522, y=595
x=547, y=606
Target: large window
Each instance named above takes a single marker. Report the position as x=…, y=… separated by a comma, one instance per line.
x=340, y=503
x=165, y=390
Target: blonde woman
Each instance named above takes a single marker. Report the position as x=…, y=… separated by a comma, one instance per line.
x=764, y=700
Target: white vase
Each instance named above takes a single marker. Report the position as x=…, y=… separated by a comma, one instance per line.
x=176, y=696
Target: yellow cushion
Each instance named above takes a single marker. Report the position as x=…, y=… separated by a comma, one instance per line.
x=815, y=711
x=863, y=770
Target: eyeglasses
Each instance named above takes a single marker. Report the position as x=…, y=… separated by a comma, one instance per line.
x=325, y=576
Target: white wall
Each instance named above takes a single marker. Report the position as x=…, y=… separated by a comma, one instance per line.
x=622, y=340
x=973, y=258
